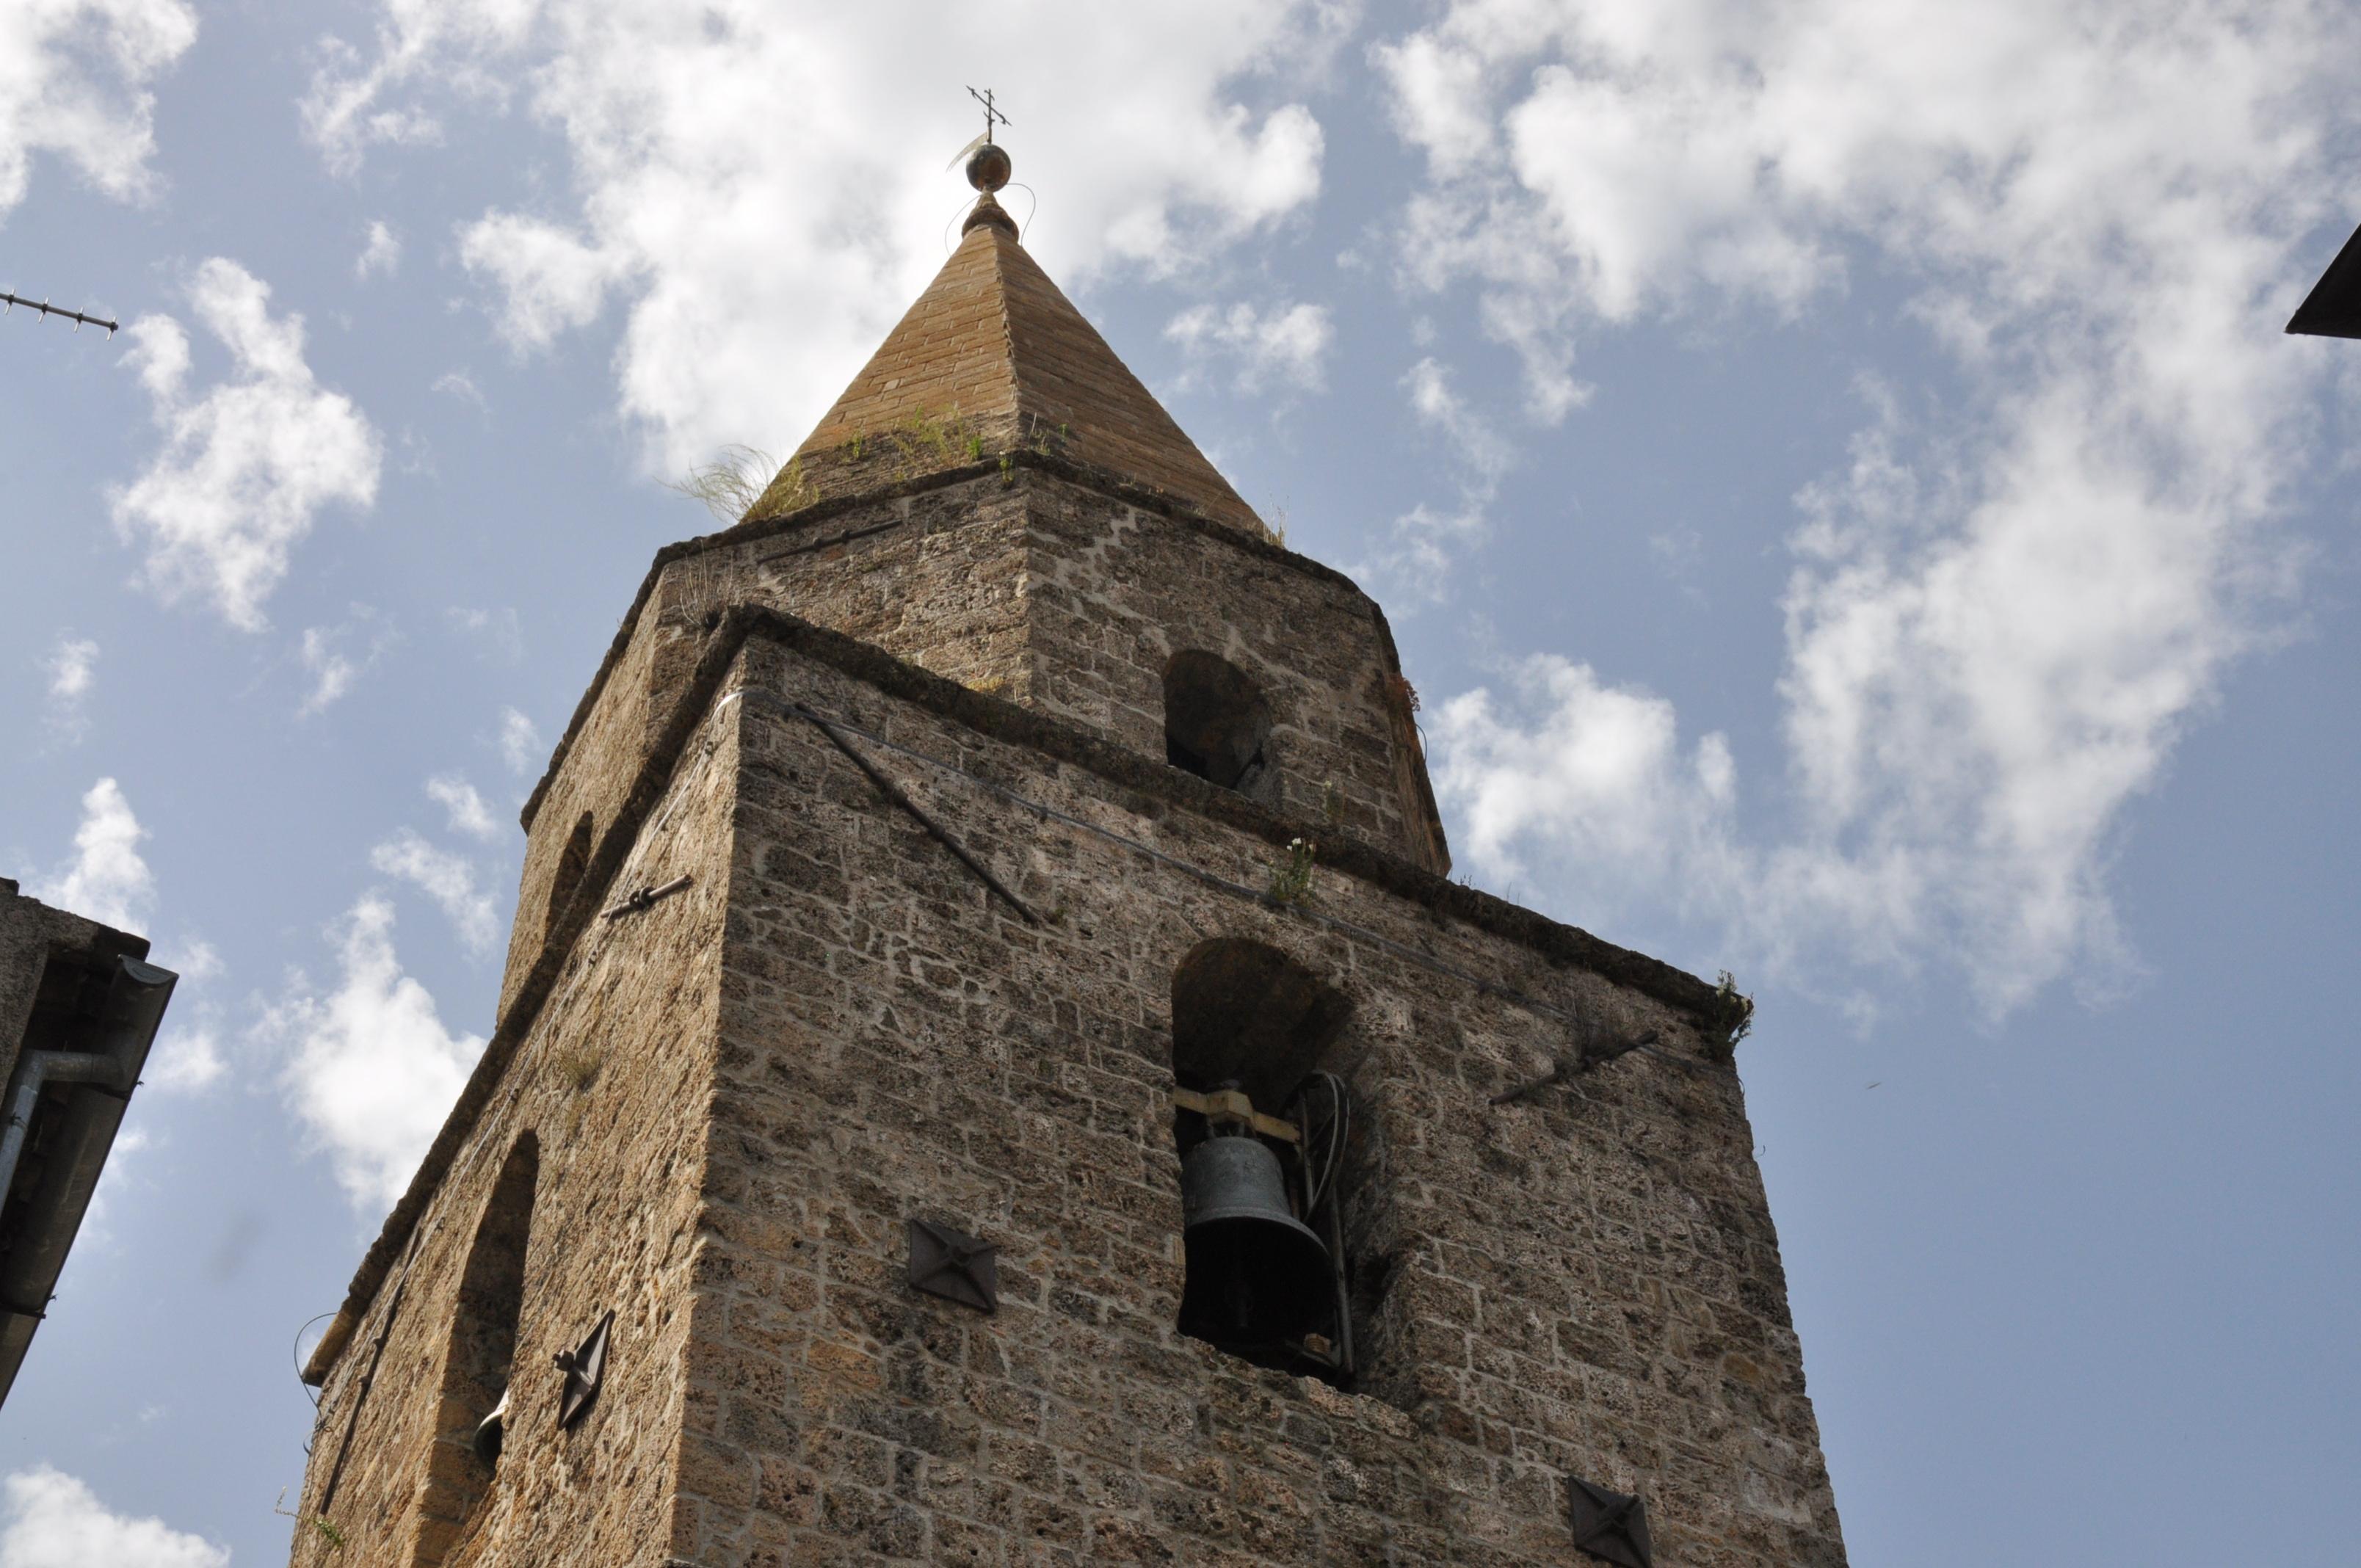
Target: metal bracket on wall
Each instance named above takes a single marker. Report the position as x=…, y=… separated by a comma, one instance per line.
x=955, y=1266
x=1610, y=1526
x=1576, y=1065
x=585, y=1369
x=646, y=897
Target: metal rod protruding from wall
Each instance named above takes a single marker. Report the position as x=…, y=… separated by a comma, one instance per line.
x=936, y=830
x=1576, y=1065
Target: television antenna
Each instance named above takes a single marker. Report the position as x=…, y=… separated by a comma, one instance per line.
x=47, y=309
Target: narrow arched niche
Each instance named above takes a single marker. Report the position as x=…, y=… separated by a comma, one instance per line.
x=480, y=1356
x=1217, y=722
x=572, y=863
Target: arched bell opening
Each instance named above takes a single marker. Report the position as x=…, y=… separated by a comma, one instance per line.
x=474, y=1408
x=1216, y=723
x=1263, y=1129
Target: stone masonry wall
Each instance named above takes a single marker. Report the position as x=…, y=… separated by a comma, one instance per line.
x=1115, y=591
x=1583, y=1283
x=1046, y=592
x=935, y=579
x=614, y=1081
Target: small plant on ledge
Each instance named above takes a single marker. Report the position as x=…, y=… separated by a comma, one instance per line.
x=1291, y=880
x=1733, y=1013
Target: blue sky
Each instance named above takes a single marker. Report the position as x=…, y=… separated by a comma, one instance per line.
x=1834, y=469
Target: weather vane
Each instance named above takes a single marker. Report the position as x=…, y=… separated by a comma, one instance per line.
x=9, y=301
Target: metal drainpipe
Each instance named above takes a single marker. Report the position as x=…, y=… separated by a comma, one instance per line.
x=75, y=1148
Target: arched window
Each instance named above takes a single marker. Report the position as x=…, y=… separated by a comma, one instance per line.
x=1216, y=724
x=477, y=1363
x=572, y=862
x=1265, y=1210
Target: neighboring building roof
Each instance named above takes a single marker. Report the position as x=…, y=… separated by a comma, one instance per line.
x=2332, y=309
x=78, y=1011
x=993, y=358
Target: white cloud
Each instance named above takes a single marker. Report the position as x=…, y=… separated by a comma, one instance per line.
x=448, y=879
x=55, y=1522
x=72, y=667
x=195, y=959
x=459, y=384
x=381, y=255
x=121, y=1174
x=1581, y=794
x=331, y=672
x=1591, y=773
x=106, y=880
x=329, y=657
x=2011, y=603
x=1475, y=439
x=1679, y=552
x=467, y=812
x=185, y=1060
x=371, y=1071
x=1415, y=562
x=245, y=464
x=521, y=745
x=76, y=84
x=549, y=281
x=343, y=113
x=1286, y=345
x=498, y=632
x=758, y=271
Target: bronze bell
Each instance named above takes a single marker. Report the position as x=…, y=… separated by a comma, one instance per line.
x=1258, y=1277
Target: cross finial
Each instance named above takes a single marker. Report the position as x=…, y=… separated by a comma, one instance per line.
x=991, y=111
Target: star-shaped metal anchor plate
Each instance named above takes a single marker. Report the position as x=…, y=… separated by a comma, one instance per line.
x=955, y=1266
x=585, y=1368
x=1609, y=1526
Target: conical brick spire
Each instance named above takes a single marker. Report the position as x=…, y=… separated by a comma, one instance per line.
x=994, y=358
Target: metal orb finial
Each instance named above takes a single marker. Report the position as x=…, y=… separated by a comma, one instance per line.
x=988, y=167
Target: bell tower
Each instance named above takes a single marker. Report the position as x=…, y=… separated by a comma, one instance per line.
x=990, y=1069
